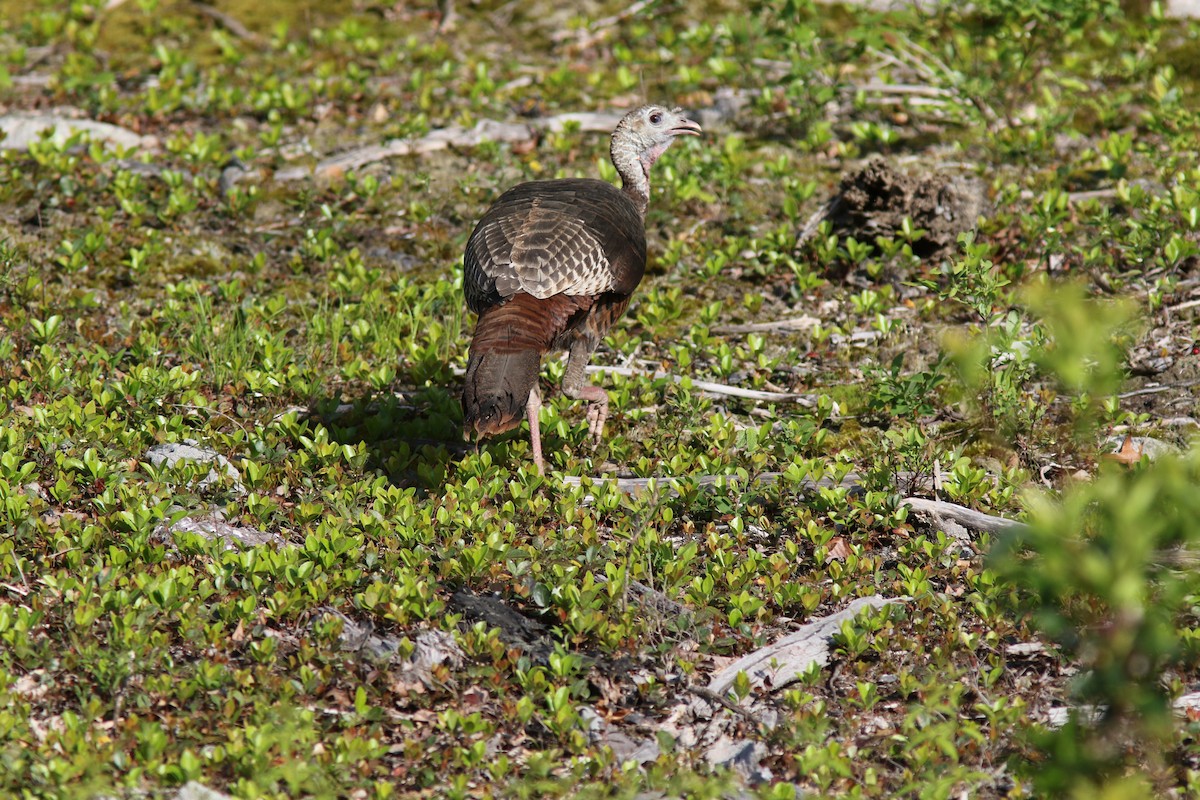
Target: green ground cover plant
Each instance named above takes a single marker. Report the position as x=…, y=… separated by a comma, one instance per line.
x=243, y=544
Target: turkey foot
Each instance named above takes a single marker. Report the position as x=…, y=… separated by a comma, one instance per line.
x=597, y=410
x=575, y=386
x=532, y=407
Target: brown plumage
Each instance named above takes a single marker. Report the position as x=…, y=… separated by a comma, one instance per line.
x=551, y=266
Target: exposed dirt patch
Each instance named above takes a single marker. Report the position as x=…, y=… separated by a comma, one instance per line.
x=875, y=201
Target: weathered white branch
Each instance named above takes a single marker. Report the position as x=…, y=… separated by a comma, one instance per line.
x=636, y=486
x=713, y=388
x=780, y=662
x=968, y=518
x=486, y=130
x=804, y=323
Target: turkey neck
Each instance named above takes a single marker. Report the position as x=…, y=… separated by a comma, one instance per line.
x=634, y=169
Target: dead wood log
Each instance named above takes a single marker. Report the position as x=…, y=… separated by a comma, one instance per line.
x=516, y=631
x=977, y=521
x=642, y=596
x=779, y=663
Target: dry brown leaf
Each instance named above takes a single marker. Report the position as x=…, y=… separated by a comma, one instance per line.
x=1129, y=454
x=525, y=147
x=474, y=697
x=404, y=688
x=424, y=715
x=838, y=550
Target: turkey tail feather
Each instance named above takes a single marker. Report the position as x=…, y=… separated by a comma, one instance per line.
x=496, y=389
x=506, y=356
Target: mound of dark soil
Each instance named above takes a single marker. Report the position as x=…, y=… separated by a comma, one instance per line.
x=875, y=200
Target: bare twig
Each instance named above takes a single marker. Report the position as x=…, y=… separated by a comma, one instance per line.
x=1184, y=305
x=1156, y=389
x=805, y=323
x=906, y=88
x=723, y=701
x=1093, y=194
x=895, y=61
x=601, y=29
x=827, y=210
x=712, y=388
x=229, y=23
x=940, y=68
x=934, y=71
x=646, y=597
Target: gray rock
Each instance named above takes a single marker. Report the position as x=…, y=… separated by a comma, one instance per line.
x=432, y=648
x=741, y=755
x=171, y=453
x=213, y=526
x=1188, y=9
x=624, y=747
x=192, y=790
x=23, y=128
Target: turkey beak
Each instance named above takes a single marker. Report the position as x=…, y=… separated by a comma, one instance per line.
x=685, y=127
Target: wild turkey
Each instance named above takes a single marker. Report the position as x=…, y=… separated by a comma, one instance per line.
x=551, y=266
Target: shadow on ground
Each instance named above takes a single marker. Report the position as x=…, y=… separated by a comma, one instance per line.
x=412, y=437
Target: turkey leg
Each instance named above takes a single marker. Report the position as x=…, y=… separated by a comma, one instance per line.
x=532, y=407
x=575, y=385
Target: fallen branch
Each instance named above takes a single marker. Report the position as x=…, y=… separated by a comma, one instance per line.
x=1180, y=557
x=229, y=23
x=705, y=693
x=1185, y=305
x=440, y=139
x=805, y=323
x=515, y=630
x=1166, y=387
x=707, y=387
x=968, y=518
x=648, y=598
x=486, y=130
x=601, y=29
x=808, y=401
x=780, y=663
x=20, y=129
x=636, y=486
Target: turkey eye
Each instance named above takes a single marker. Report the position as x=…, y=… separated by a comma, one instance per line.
x=656, y=118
